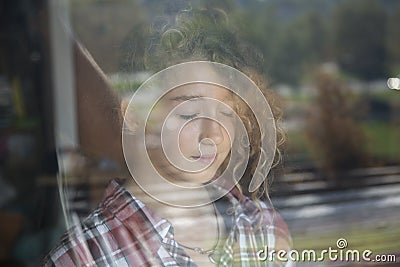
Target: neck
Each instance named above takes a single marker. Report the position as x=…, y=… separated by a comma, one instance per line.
x=194, y=227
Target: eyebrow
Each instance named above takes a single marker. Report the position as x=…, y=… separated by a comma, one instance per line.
x=193, y=98
x=187, y=97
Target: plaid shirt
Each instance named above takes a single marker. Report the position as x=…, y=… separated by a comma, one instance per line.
x=122, y=231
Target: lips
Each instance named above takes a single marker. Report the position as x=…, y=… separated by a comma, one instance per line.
x=205, y=158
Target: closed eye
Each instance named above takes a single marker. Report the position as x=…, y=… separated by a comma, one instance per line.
x=228, y=114
x=188, y=117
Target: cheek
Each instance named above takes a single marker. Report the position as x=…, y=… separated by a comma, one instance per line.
x=229, y=135
x=188, y=139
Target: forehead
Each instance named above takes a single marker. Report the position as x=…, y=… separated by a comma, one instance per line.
x=198, y=90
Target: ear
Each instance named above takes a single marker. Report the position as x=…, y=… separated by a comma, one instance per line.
x=129, y=116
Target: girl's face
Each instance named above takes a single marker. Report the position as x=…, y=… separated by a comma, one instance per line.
x=195, y=124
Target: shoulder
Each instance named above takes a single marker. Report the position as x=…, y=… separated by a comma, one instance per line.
x=282, y=236
x=81, y=244
x=267, y=219
x=112, y=231
x=257, y=226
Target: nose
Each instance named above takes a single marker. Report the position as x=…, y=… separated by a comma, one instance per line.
x=212, y=132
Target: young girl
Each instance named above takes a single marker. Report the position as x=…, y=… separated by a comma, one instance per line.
x=199, y=138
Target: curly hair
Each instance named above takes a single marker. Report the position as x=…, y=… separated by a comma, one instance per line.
x=207, y=35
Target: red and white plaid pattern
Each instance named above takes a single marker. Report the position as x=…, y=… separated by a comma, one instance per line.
x=122, y=231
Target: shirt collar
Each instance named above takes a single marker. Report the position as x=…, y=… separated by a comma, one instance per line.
x=136, y=216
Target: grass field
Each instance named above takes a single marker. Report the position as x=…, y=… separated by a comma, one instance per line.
x=382, y=142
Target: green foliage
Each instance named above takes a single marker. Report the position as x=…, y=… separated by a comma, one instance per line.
x=297, y=48
x=383, y=141
x=296, y=36
x=393, y=43
x=359, y=38
x=362, y=36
